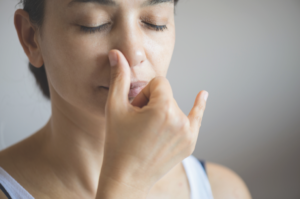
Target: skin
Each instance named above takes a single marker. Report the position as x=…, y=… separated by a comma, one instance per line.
x=85, y=135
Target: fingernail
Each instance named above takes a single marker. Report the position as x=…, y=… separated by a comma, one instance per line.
x=205, y=95
x=113, y=59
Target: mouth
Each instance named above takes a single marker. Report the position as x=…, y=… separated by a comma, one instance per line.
x=135, y=88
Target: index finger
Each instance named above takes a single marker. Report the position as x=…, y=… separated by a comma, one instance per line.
x=157, y=90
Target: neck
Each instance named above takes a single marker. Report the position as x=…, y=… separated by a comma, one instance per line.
x=74, y=146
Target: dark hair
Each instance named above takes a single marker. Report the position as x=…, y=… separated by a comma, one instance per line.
x=35, y=9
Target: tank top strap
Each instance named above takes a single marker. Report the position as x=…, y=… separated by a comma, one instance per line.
x=199, y=184
x=11, y=188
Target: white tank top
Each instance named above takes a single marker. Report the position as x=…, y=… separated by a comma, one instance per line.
x=198, y=181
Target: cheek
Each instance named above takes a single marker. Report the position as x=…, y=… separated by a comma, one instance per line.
x=75, y=65
x=72, y=59
x=159, y=52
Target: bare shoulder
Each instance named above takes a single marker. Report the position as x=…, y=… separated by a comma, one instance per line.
x=225, y=183
x=2, y=195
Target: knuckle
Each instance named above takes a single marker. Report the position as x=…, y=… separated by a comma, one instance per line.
x=166, y=106
x=186, y=122
x=161, y=82
x=169, y=113
x=183, y=124
x=164, y=110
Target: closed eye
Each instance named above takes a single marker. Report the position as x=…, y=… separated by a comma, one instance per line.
x=104, y=26
x=156, y=27
x=94, y=29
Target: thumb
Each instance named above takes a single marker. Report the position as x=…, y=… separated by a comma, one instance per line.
x=119, y=81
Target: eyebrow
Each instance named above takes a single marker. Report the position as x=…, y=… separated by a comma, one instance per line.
x=113, y=3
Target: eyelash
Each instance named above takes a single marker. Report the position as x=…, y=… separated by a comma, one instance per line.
x=94, y=29
x=104, y=26
x=155, y=27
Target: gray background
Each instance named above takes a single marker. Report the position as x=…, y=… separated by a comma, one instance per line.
x=245, y=53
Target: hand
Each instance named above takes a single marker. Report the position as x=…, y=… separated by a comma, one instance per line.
x=147, y=138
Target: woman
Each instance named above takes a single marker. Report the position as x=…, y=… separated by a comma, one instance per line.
x=115, y=129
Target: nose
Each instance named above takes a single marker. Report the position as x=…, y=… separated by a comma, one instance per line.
x=129, y=40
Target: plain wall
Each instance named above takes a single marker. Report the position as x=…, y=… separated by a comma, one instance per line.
x=246, y=54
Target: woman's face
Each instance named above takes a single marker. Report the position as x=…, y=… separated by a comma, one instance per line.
x=78, y=34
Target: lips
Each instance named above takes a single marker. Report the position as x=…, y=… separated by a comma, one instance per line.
x=135, y=88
